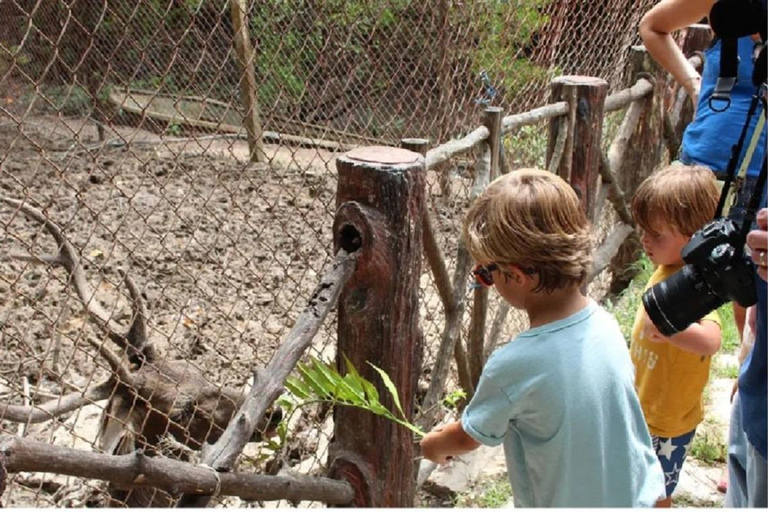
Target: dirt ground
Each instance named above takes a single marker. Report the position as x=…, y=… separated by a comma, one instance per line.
x=225, y=253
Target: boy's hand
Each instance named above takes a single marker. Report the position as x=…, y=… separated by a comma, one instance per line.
x=443, y=443
x=431, y=447
x=650, y=332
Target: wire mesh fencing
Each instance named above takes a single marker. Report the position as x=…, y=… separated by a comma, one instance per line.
x=124, y=123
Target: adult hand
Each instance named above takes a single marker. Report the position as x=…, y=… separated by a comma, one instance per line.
x=757, y=240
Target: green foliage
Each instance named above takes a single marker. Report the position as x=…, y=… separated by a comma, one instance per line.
x=724, y=371
x=626, y=305
x=486, y=494
x=320, y=382
x=528, y=146
x=708, y=445
x=67, y=100
x=454, y=398
x=501, y=31
x=730, y=334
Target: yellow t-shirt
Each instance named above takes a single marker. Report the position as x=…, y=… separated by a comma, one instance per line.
x=669, y=381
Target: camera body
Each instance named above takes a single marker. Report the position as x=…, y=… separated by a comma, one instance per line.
x=717, y=271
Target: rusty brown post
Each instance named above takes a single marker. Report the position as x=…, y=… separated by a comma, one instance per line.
x=643, y=155
x=492, y=117
x=577, y=152
x=380, y=204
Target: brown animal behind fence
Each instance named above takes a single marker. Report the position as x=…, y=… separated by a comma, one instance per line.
x=154, y=405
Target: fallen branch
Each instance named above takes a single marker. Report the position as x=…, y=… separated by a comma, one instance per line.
x=615, y=194
x=621, y=99
x=445, y=152
x=54, y=408
x=268, y=384
x=534, y=116
x=496, y=326
x=608, y=250
x=139, y=470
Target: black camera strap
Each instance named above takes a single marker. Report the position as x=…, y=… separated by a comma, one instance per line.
x=754, y=205
x=733, y=161
x=729, y=73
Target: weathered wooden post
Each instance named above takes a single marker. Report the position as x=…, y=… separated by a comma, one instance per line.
x=642, y=156
x=476, y=339
x=248, y=89
x=492, y=120
x=575, y=155
x=380, y=203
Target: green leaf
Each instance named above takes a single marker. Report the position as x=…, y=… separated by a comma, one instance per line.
x=355, y=386
x=298, y=388
x=312, y=380
x=351, y=370
x=391, y=387
x=328, y=373
x=371, y=394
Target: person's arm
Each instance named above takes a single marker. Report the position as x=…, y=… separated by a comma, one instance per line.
x=445, y=442
x=699, y=338
x=655, y=30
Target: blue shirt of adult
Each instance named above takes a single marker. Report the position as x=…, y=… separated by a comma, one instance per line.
x=709, y=137
x=753, y=379
x=561, y=398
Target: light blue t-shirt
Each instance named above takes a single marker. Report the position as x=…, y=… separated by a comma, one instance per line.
x=561, y=398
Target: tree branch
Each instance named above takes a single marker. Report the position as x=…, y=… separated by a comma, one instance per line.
x=138, y=470
x=268, y=384
x=54, y=408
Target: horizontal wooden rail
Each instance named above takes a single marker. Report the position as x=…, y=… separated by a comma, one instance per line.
x=138, y=470
x=445, y=152
x=534, y=116
x=616, y=101
x=624, y=97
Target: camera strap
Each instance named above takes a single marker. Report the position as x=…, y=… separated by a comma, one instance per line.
x=739, y=180
x=736, y=150
x=754, y=205
x=729, y=73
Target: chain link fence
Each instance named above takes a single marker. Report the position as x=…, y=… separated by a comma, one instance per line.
x=122, y=122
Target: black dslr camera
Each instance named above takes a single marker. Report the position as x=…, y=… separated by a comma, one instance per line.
x=716, y=271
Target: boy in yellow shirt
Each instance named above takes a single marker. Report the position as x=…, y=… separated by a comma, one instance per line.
x=671, y=372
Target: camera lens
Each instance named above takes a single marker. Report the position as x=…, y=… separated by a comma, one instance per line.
x=678, y=301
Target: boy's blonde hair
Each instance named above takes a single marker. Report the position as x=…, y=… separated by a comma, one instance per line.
x=683, y=197
x=532, y=219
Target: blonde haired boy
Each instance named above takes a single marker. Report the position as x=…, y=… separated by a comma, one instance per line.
x=560, y=396
x=671, y=372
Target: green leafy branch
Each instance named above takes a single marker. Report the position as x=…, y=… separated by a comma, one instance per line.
x=320, y=382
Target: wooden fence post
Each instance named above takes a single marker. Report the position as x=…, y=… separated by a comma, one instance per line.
x=575, y=154
x=248, y=89
x=641, y=158
x=492, y=120
x=380, y=202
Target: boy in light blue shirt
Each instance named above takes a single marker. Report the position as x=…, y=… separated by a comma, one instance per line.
x=560, y=396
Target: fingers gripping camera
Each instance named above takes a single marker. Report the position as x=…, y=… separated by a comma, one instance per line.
x=717, y=271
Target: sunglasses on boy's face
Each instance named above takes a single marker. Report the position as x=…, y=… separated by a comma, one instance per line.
x=484, y=275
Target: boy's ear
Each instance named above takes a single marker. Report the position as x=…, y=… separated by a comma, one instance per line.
x=516, y=274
